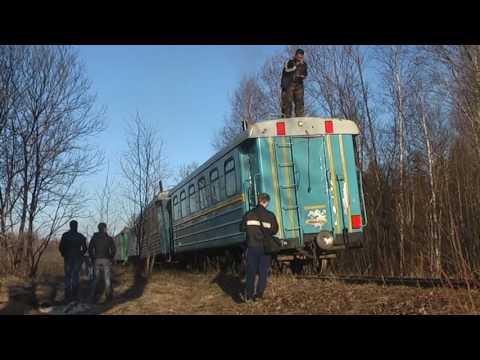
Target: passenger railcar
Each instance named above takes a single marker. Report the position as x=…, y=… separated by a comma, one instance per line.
x=309, y=166
x=121, y=244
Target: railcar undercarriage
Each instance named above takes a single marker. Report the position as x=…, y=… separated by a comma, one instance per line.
x=307, y=260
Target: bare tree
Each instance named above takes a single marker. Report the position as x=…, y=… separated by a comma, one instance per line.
x=397, y=71
x=51, y=114
x=143, y=166
x=247, y=105
x=461, y=81
x=185, y=170
x=11, y=58
x=106, y=205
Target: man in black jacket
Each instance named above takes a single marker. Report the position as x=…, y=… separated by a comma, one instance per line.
x=260, y=226
x=102, y=252
x=293, y=74
x=73, y=247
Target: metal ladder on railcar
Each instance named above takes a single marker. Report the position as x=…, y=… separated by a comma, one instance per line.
x=289, y=190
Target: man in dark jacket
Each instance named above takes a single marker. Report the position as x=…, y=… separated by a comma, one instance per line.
x=73, y=247
x=102, y=252
x=293, y=74
x=260, y=226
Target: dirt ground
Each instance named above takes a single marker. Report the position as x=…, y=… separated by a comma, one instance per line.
x=175, y=292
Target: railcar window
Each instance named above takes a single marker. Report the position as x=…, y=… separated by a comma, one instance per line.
x=192, y=198
x=176, y=209
x=230, y=178
x=183, y=204
x=214, y=186
x=202, y=193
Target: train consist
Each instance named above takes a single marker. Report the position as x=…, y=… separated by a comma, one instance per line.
x=309, y=166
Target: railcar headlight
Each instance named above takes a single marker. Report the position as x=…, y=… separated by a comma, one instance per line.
x=325, y=240
x=300, y=123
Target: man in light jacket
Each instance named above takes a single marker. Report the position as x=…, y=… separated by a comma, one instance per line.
x=102, y=252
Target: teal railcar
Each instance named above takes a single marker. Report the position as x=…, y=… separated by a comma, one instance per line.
x=309, y=166
x=121, y=244
x=207, y=207
x=157, y=232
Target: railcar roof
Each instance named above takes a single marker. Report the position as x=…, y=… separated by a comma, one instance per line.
x=301, y=126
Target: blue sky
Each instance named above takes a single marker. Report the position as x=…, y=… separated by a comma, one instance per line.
x=183, y=90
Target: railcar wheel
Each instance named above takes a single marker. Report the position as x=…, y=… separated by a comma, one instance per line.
x=296, y=266
x=229, y=262
x=242, y=265
x=193, y=263
x=287, y=268
x=323, y=266
x=205, y=263
x=222, y=262
x=236, y=262
x=276, y=266
x=312, y=267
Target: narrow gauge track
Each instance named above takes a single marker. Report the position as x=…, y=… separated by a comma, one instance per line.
x=398, y=281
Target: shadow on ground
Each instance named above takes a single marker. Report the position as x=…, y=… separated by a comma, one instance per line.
x=231, y=285
x=20, y=301
x=20, y=297
x=23, y=299
x=135, y=291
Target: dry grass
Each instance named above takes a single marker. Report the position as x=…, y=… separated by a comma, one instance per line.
x=51, y=263
x=186, y=293
x=174, y=292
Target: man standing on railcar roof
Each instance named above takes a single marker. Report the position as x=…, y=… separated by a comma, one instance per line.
x=293, y=74
x=73, y=247
x=260, y=226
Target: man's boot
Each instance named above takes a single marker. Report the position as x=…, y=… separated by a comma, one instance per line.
x=75, y=296
x=68, y=296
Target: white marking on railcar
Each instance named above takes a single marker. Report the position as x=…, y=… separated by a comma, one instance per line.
x=345, y=197
x=334, y=209
x=317, y=218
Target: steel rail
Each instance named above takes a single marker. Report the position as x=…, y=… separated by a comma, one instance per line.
x=397, y=281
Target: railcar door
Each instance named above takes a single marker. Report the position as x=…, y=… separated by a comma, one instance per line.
x=166, y=243
x=316, y=211
x=249, y=174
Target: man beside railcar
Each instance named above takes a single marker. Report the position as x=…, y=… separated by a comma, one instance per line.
x=73, y=247
x=102, y=252
x=260, y=226
x=293, y=74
